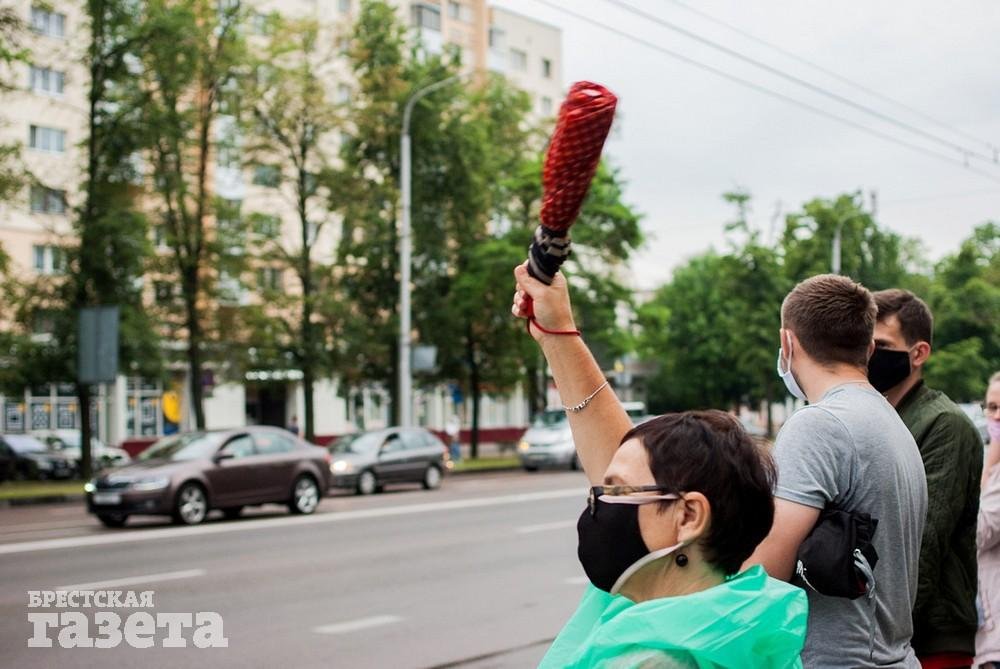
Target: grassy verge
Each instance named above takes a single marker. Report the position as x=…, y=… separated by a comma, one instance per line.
x=27, y=489
x=485, y=464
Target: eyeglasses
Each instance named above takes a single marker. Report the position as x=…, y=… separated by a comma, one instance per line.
x=627, y=494
x=990, y=408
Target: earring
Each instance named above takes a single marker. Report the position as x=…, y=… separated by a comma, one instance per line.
x=681, y=560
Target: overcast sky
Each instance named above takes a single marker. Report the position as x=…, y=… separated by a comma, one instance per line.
x=688, y=135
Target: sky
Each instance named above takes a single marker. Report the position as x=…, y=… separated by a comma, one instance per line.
x=687, y=135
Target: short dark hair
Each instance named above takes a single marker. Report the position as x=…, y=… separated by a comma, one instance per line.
x=833, y=317
x=915, y=319
x=710, y=452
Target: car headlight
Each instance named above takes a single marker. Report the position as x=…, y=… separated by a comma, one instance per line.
x=90, y=486
x=523, y=446
x=149, y=484
x=341, y=467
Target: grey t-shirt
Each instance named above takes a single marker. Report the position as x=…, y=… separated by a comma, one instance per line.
x=851, y=449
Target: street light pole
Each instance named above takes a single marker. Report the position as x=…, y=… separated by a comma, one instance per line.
x=406, y=254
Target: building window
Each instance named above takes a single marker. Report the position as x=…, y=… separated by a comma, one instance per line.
x=160, y=236
x=344, y=6
x=426, y=17
x=267, y=175
x=546, y=68
x=546, y=105
x=48, y=259
x=518, y=60
x=47, y=81
x=496, y=37
x=269, y=278
x=343, y=93
x=459, y=11
x=343, y=45
x=261, y=24
x=163, y=291
x=266, y=225
x=47, y=139
x=47, y=200
x=45, y=22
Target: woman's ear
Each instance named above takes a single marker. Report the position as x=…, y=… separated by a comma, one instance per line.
x=695, y=516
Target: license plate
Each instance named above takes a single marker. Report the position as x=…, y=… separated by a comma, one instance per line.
x=107, y=498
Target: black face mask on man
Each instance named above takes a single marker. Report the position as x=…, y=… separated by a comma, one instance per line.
x=888, y=368
x=610, y=546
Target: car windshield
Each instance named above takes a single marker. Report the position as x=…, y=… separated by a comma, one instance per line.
x=550, y=418
x=22, y=443
x=361, y=442
x=189, y=446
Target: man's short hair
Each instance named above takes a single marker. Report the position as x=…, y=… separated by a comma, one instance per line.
x=916, y=322
x=833, y=317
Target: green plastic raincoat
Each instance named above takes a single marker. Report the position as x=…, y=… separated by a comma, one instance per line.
x=751, y=620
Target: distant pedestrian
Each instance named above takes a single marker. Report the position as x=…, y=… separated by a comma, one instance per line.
x=453, y=428
x=293, y=425
x=988, y=538
x=944, y=617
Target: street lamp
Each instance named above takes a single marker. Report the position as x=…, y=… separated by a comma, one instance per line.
x=406, y=253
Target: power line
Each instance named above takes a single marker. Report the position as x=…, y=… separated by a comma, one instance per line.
x=965, y=151
x=768, y=91
x=944, y=196
x=839, y=77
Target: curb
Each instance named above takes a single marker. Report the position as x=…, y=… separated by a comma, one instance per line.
x=65, y=499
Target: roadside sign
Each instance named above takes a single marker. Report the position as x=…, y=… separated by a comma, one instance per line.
x=98, y=345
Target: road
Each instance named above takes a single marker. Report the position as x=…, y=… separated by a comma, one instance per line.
x=479, y=574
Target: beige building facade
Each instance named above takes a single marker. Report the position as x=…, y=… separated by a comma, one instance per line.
x=47, y=114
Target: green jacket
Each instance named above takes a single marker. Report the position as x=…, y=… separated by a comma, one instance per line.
x=751, y=620
x=944, y=617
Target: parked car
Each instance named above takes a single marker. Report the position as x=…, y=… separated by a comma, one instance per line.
x=366, y=461
x=67, y=443
x=975, y=413
x=25, y=457
x=548, y=442
x=187, y=475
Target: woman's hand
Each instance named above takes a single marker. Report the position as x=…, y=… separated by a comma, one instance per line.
x=550, y=305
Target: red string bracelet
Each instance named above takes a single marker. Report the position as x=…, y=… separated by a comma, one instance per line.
x=532, y=321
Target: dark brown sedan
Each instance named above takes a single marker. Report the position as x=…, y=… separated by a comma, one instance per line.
x=187, y=475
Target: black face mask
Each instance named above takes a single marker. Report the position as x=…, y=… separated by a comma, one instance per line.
x=610, y=542
x=888, y=368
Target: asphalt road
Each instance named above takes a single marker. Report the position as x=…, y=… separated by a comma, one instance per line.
x=481, y=573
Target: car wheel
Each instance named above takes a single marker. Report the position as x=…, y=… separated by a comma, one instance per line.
x=367, y=483
x=530, y=468
x=112, y=519
x=232, y=512
x=191, y=504
x=305, y=495
x=432, y=478
x=574, y=464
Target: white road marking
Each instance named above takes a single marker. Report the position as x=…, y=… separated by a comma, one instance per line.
x=127, y=536
x=355, y=625
x=545, y=527
x=134, y=580
x=577, y=580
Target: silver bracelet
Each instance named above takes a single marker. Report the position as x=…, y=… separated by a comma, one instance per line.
x=577, y=408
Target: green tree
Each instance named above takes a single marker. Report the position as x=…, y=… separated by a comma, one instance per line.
x=13, y=173
x=290, y=129
x=876, y=257
x=965, y=300
x=187, y=78
x=105, y=260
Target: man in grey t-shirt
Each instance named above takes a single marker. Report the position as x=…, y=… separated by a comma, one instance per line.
x=848, y=448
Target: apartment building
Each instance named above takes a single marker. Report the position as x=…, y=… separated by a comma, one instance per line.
x=48, y=115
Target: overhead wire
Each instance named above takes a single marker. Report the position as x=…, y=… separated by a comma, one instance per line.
x=648, y=16
x=767, y=91
x=839, y=77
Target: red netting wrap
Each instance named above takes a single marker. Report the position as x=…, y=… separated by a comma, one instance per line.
x=574, y=152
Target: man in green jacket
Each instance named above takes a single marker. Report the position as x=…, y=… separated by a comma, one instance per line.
x=944, y=617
